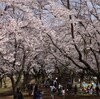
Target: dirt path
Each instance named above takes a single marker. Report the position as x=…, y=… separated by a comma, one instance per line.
x=47, y=96
x=68, y=97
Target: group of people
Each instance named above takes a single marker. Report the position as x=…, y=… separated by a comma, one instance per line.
x=92, y=90
x=55, y=87
x=33, y=90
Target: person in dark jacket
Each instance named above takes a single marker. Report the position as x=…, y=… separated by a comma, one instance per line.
x=97, y=90
x=18, y=94
x=75, y=89
x=37, y=93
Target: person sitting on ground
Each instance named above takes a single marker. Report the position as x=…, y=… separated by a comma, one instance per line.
x=88, y=88
x=97, y=90
x=91, y=90
x=18, y=94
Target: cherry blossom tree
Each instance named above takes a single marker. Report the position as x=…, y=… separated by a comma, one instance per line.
x=41, y=35
x=17, y=38
x=82, y=47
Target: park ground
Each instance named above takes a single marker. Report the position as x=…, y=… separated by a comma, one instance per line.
x=47, y=96
x=6, y=94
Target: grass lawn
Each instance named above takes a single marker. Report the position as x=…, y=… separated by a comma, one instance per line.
x=2, y=90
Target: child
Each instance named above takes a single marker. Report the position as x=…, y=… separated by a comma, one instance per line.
x=63, y=92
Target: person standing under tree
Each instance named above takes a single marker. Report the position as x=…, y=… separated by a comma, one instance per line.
x=37, y=93
x=59, y=89
x=63, y=92
x=52, y=89
x=75, y=90
x=18, y=94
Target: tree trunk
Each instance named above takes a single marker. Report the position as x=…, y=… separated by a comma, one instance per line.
x=4, y=81
x=13, y=85
x=98, y=80
x=18, y=79
x=25, y=80
x=0, y=82
x=81, y=80
x=72, y=79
